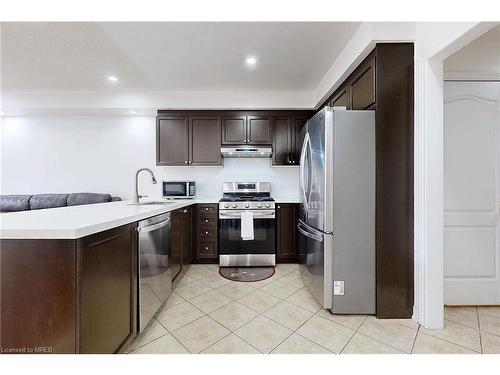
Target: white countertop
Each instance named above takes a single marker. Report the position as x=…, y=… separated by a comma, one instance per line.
x=80, y=221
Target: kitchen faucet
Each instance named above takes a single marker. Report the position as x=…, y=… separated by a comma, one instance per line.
x=137, y=196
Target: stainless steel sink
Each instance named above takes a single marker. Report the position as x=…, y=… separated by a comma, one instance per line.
x=150, y=203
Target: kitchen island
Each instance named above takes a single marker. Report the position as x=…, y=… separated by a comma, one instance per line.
x=69, y=277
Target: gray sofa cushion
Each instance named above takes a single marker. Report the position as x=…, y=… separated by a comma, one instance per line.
x=76, y=199
x=11, y=203
x=40, y=201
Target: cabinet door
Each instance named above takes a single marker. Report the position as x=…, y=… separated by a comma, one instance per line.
x=259, y=130
x=205, y=140
x=172, y=141
x=187, y=233
x=206, y=233
x=286, y=233
x=297, y=139
x=234, y=129
x=176, y=245
x=281, y=141
x=108, y=294
x=341, y=99
x=363, y=87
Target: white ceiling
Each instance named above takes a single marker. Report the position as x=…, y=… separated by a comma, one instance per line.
x=170, y=56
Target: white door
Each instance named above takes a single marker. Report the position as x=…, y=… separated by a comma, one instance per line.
x=472, y=193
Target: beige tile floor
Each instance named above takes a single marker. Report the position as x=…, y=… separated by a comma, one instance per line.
x=209, y=314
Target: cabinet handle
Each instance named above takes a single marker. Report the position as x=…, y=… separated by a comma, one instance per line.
x=206, y=209
x=279, y=206
x=206, y=232
x=186, y=162
x=206, y=221
x=206, y=247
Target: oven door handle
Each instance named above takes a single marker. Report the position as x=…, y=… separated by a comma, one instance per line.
x=237, y=215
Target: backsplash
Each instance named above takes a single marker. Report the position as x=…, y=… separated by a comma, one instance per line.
x=102, y=154
x=284, y=180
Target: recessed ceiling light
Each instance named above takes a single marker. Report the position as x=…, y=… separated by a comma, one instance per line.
x=132, y=112
x=112, y=79
x=251, y=61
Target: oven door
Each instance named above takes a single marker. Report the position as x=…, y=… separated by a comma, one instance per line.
x=236, y=252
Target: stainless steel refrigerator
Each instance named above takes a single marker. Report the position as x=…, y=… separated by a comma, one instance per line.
x=337, y=211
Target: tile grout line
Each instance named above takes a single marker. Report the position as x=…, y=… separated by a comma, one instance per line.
x=450, y=342
x=415, y=340
x=480, y=334
x=222, y=338
x=356, y=331
x=298, y=333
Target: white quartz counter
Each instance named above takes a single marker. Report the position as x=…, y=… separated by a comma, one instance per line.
x=80, y=221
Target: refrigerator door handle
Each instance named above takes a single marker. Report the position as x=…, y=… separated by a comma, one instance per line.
x=314, y=236
x=311, y=178
x=302, y=170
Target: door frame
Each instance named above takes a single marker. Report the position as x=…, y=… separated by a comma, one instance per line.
x=429, y=171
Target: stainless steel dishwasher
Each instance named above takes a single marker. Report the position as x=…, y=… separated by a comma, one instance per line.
x=155, y=275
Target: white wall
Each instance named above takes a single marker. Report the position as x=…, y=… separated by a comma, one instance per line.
x=42, y=154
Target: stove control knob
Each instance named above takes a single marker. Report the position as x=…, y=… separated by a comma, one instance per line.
x=226, y=205
x=259, y=204
x=268, y=205
x=247, y=205
x=234, y=205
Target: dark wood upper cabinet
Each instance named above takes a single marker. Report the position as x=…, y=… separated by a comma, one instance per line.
x=195, y=137
x=363, y=87
x=297, y=138
x=358, y=91
x=205, y=140
x=245, y=128
x=234, y=129
x=259, y=130
x=341, y=99
x=281, y=141
x=286, y=233
x=287, y=140
x=188, y=139
x=172, y=140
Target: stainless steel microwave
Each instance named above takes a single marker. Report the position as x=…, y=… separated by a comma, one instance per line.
x=179, y=189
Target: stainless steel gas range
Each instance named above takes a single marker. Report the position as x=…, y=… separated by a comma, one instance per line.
x=236, y=250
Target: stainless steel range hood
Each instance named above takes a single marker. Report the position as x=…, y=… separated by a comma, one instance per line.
x=246, y=152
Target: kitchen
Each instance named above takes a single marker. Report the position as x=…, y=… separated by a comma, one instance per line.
x=192, y=194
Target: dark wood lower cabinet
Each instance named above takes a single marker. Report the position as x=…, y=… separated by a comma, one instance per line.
x=108, y=286
x=38, y=296
x=181, y=239
x=207, y=224
x=69, y=296
x=286, y=233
